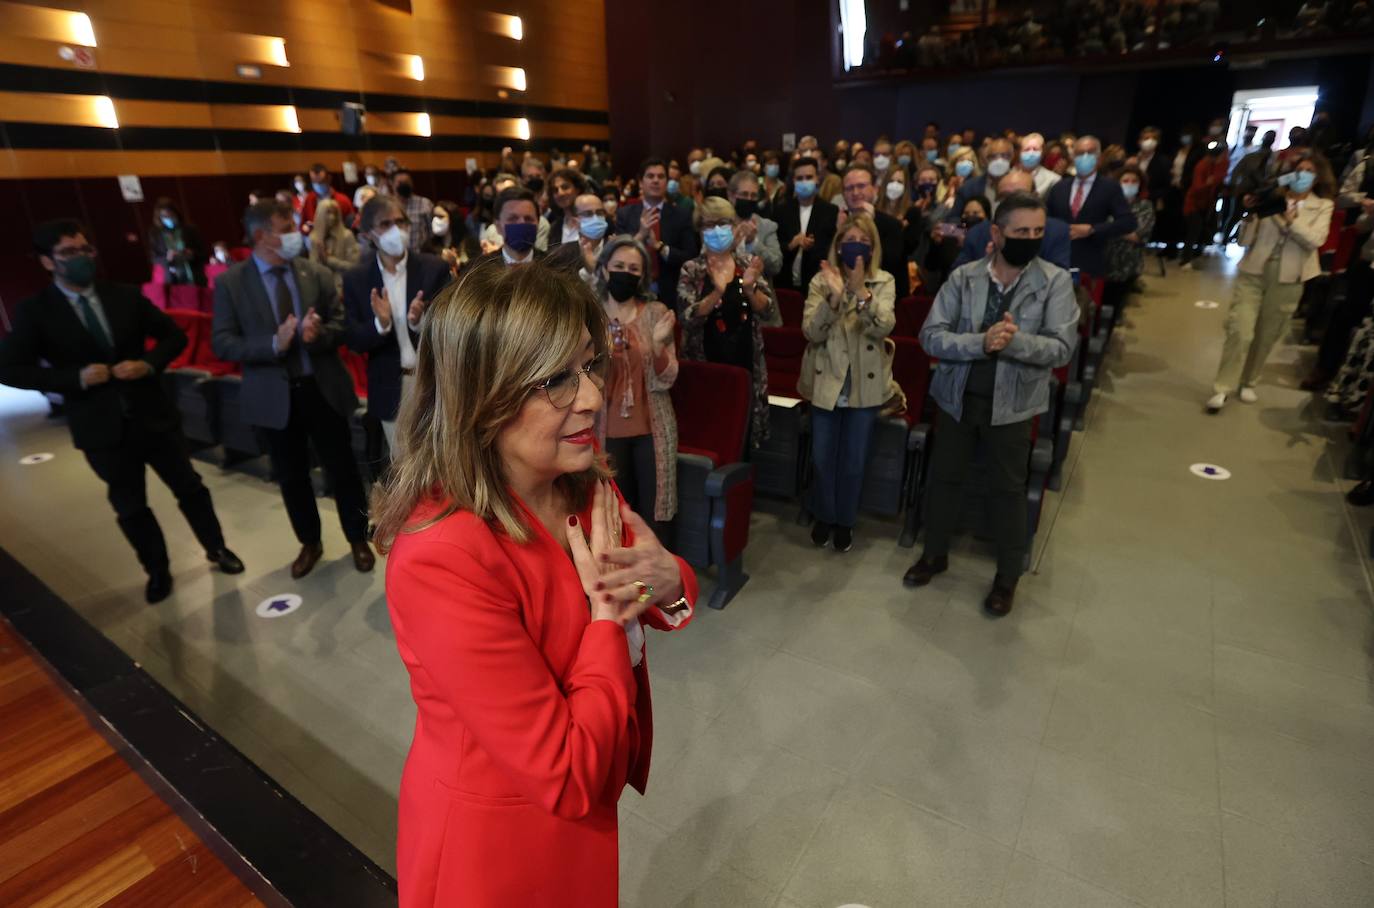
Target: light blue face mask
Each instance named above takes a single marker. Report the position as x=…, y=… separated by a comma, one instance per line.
x=593, y=228
x=1130, y=191
x=1286, y=179
x=1303, y=180
x=805, y=189
x=1030, y=159
x=719, y=238
x=953, y=148
x=1085, y=163
x=932, y=154
x=964, y=168
x=672, y=187
x=904, y=160
x=770, y=171
x=169, y=223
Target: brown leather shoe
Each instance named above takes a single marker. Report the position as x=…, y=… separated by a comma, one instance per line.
x=363, y=559
x=998, y=603
x=305, y=562
x=921, y=573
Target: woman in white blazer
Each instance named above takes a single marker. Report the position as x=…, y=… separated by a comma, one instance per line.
x=1282, y=256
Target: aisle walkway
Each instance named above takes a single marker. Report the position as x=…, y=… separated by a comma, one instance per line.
x=1179, y=712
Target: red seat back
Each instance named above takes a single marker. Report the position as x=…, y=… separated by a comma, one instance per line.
x=712, y=403
x=1345, y=249
x=791, y=304
x=212, y=271
x=1333, y=234
x=156, y=294
x=239, y=253
x=911, y=370
x=911, y=315
x=191, y=324
x=783, y=348
x=356, y=364
x=184, y=296
x=205, y=357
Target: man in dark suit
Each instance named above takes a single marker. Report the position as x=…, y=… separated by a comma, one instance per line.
x=1154, y=163
x=664, y=229
x=92, y=335
x=806, y=227
x=280, y=316
x=860, y=192
x=385, y=297
x=516, y=210
x=1054, y=246
x=1093, y=206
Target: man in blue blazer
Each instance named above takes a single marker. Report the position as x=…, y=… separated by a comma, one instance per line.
x=664, y=229
x=1093, y=206
x=385, y=297
x=1053, y=249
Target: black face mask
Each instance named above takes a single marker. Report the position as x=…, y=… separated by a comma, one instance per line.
x=717, y=192
x=622, y=285
x=535, y=184
x=746, y=208
x=405, y=190
x=1018, y=251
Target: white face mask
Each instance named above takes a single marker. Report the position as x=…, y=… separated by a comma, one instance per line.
x=895, y=190
x=1149, y=144
x=291, y=244
x=882, y=162
x=439, y=226
x=695, y=168
x=393, y=242
x=221, y=256
x=998, y=167
x=371, y=179
x=300, y=186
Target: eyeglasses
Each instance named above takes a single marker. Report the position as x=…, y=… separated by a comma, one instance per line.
x=67, y=252
x=561, y=389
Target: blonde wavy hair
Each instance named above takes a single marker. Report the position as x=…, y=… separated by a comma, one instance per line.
x=486, y=342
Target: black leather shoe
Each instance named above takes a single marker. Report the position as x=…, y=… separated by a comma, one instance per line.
x=998, y=603
x=923, y=571
x=159, y=587
x=1362, y=495
x=844, y=538
x=305, y=562
x=820, y=534
x=226, y=561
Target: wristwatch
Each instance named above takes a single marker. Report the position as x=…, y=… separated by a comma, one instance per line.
x=673, y=608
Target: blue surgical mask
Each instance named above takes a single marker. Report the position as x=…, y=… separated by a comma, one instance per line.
x=169, y=223
x=1286, y=179
x=932, y=154
x=719, y=238
x=953, y=148
x=1085, y=163
x=1185, y=140
x=904, y=160
x=1030, y=159
x=1130, y=190
x=1303, y=180
x=322, y=189
x=673, y=187
x=964, y=167
x=593, y=228
x=805, y=189
x=770, y=171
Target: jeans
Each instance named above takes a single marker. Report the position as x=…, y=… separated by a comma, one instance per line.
x=839, y=448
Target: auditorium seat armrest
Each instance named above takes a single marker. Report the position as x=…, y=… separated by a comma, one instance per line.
x=727, y=477
x=1042, y=456
x=918, y=436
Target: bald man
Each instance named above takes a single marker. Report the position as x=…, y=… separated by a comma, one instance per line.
x=1055, y=247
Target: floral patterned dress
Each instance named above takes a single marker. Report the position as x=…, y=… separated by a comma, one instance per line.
x=693, y=283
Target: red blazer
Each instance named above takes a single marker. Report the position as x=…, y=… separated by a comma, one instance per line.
x=531, y=720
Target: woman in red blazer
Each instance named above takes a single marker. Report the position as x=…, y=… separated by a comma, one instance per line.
x=519, y=585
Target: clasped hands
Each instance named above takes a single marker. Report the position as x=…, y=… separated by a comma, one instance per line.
x=1000, y=334
x=854, y=282
x=125, y=370
x=609, y=571
x=286, y=331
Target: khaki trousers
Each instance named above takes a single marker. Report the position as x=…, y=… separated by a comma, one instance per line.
x=1260, y=310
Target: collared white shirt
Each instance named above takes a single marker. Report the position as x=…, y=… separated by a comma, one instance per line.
x=570, y=231
x=94, y=300
x=804, y=218
x=510, y=259
x=1043, y=179
x=395, y=286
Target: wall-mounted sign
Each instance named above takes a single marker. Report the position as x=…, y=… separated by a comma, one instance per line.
x=350, y=171
x=131, y=188
x=248, y=71
x=80, y=57
x=789, y=141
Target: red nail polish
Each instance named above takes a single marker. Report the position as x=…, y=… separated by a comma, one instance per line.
x=572, y=521
x=600, y=586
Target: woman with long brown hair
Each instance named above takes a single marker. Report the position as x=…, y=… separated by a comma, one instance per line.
x=518, y=585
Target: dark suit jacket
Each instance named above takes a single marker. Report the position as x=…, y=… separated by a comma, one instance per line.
x=495, y=258
x=46, y=328
x=893, y=237
x=1157, y=174
x=427, y=273
x=1105, y=208
x=246, y=321
x=824, y=217
x=973, y=186
x=676, y=230
x=1054, y=249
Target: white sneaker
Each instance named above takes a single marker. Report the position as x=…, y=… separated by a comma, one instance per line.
x=1248, y=395
x=1216, y=402
x=1186, y=266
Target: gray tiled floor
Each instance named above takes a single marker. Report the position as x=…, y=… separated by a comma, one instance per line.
x=1180, y=712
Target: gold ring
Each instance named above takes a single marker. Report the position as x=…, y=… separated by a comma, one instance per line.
x=646, y=592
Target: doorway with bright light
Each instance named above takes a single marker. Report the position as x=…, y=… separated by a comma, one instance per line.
x=1279, y=109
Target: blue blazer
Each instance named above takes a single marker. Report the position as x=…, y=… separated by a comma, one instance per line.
x=423, y=272
x=1054, y=249
x=1105, y=208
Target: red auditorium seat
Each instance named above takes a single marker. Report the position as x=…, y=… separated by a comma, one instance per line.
x=239, y=253
x=791, y=304
x=715, y=486
x=911, y=315
x=212, y=271
x=185, y=296
x=911, y=367
x=156, y=294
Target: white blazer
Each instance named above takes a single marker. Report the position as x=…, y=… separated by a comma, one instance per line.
x=1301, y=240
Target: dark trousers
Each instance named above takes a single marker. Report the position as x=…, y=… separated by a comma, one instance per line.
x=636, y=475
x=1006, y=463
x=839, y=450
x=1359, y=290
x=1116, y=294
x=313, y=420
x=122, y=469
x=1198, y=232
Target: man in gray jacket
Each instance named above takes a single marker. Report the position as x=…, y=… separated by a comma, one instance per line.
x=999, y=326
